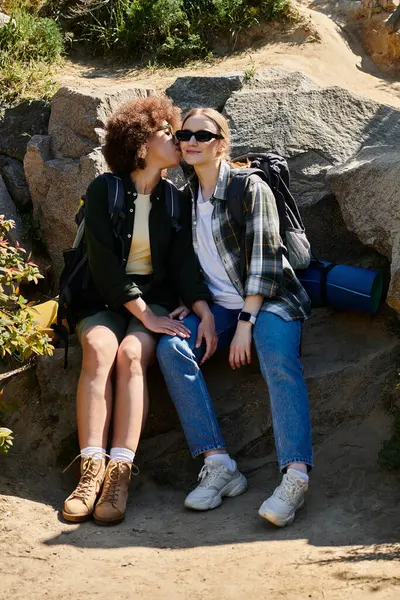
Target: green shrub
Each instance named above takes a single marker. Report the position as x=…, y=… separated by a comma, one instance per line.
x=28, y=38
x=19, y=336
x=177, y=50
x=170, y=32
x=29, y=47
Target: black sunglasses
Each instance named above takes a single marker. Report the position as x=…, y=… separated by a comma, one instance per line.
x=185, y=135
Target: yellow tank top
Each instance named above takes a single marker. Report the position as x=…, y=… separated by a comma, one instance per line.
x=139, y=260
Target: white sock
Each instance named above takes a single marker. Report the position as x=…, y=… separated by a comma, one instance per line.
x=300, y=473
x=223, y=458
x=122, y=454
x=95, y=451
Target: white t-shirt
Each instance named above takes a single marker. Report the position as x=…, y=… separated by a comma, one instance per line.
x=215, y=275
x=139, y=260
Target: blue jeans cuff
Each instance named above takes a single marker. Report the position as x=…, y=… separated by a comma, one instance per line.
x=297, y=459
x=199, y=451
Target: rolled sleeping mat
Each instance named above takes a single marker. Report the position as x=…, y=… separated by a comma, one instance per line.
x=342, y=286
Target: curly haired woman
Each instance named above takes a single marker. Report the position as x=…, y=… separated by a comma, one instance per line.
x=136, y=280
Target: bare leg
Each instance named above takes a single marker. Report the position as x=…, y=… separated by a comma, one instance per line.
x=94, y=396
x=135, y=354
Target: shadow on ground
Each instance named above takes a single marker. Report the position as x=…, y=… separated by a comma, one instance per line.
x=351, y=503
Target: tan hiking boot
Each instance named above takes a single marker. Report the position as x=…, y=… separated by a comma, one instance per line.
x=79, y=505
x=111, y=508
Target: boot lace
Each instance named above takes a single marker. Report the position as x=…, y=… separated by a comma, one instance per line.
x=113, y=482
x=91, y=469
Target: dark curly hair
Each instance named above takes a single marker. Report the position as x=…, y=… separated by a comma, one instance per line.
x=129, y=128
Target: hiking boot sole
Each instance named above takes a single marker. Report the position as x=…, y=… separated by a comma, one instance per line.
x=75, y=518
x=107, y=523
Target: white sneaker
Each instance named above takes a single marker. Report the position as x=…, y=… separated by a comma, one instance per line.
x=216, y=481
x=280, y=508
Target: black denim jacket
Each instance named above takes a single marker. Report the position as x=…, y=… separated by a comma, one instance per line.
x=176, y=273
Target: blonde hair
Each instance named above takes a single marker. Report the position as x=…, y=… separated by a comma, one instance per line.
x=218, y=119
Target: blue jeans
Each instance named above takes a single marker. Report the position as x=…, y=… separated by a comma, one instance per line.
x=277, y=345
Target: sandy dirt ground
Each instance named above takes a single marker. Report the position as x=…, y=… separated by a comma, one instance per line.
x=345, y=544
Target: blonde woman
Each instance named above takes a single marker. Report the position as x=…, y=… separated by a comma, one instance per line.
x=266, y=306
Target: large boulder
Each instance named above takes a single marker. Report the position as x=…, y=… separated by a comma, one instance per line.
x=56, y=186
x=78, y=116
x=348, y=361
x=315, y=128
x=19, y=123
x=197, y=91
x=331, y=122
x=331, y=239
x=368, y=191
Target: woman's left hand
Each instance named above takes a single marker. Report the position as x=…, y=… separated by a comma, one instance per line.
x=240, y=350
x=180, y=313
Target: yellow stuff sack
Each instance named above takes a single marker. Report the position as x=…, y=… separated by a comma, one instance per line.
x=45, y=315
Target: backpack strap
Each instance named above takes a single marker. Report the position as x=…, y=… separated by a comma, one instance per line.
x=325, y=270
x=236, y=192
x=116, y=201
x=171, y=195
x=235, y=196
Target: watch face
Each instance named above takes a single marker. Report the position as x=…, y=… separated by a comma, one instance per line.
x=244, y=316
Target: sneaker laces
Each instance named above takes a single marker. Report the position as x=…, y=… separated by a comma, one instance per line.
x=112, y=484
x=91, y=468
x=208, y=474
x=288, y=490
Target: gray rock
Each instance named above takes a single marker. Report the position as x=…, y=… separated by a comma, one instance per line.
x=195, y=91
x=308, y=174
x=56, y=186
x=19, y=124
x=9, y=210
x=4, y=19
x=331, y=240
x=368, y=191
x=347, y=358
x=393, y=22
x=78, y=116
x=330, y=122
x=14, y=177
x=278, y=79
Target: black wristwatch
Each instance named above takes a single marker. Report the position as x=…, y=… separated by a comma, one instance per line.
x=246, y=316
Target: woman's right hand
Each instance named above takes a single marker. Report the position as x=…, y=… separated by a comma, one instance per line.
x=165, y=325
x=180, y=313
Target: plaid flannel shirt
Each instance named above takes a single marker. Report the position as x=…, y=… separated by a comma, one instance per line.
x=268, y=272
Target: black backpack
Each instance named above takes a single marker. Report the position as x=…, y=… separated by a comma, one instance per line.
x=274, y=170
x=75, y=275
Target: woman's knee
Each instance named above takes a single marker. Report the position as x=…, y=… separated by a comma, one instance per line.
x=135, y=354
x=99, y=348
x=168, y=346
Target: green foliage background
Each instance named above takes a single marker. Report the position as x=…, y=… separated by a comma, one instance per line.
x=171, y=32
x=29, y=48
